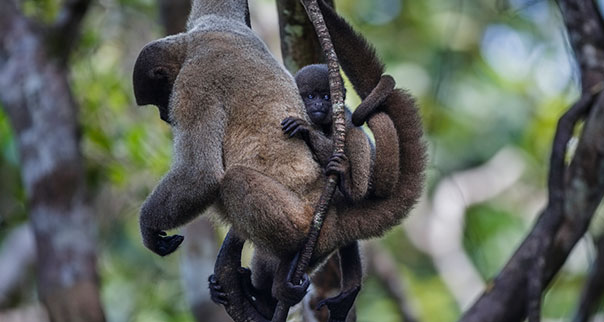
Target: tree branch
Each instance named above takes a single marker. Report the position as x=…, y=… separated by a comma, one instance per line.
x=381, y=263
x=574, y=190
x=339, y=124
x=594, y=286
x=299, y=46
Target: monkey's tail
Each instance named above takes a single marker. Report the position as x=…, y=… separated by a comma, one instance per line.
x=353, y=52
x=376, y=214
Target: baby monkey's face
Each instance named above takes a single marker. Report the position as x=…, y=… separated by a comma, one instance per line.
x=318, y=106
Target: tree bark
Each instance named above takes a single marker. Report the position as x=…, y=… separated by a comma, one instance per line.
x=299, y=43
x=37, y=98
x=575, y=190
x=593, y=290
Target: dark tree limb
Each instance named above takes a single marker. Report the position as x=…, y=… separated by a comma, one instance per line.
x=575, y=190
x=339, y=124
x=592, y=293
x=38, y=101
x=299, y=44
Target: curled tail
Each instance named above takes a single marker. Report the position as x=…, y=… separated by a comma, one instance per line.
x=396, y=189
x=357, y=57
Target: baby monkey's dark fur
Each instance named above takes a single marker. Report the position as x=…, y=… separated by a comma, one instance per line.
x=385, y=183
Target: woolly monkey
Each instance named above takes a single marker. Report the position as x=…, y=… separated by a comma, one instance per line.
x=226, y=101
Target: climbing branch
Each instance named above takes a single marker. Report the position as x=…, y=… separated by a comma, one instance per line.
x=575, y=189
x=339, y=124
x=594, y=286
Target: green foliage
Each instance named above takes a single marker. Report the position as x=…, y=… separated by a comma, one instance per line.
x=487, y=75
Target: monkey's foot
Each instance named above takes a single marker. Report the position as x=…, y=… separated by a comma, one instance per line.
x=340, y=305
x=291, y=293
x=293, y=126
x=286, y=291
x=263, y=302
x=216, y=291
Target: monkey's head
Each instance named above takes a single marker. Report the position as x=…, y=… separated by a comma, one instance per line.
x=313, y=85
x=155, y=71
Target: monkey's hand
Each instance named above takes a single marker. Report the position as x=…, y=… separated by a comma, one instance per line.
x=340, y=305
x=161, y=244
x=295, y=127
x=338, y=164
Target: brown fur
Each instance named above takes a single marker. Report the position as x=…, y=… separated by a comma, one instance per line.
x=358, y=176
x=226, y=103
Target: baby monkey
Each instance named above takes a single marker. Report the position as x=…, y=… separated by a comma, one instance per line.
x=356, y=176
x=355, y=167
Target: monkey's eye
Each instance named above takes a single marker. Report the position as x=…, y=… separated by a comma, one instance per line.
x=311, y=96
x=326, y=97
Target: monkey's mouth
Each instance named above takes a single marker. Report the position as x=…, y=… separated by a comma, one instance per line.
x=318, y=114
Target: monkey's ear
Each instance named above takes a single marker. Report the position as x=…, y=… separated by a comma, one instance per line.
x=155, y=70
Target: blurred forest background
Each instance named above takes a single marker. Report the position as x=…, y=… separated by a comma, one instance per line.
x=492, y=78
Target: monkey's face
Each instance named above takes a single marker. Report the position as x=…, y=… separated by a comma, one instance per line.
x=318, y=107
x=155, y=71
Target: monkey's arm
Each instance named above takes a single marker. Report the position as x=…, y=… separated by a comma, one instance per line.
x=354, y=168
x=192, y=182
x=319, y=144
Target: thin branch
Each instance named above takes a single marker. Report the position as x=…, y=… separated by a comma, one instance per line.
x=506, y=300
x=339, y=124
x=594, y=286
x=382, y=265
x=555, y=207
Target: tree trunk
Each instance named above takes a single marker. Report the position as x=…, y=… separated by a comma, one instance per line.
x=299, y=43
x=37, y=98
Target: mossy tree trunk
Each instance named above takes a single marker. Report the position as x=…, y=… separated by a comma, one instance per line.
x=37, y=98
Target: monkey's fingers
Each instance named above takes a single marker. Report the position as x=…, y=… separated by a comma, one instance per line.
x=291, y=126
x=340, y=305
x=291, y=293
x=288, y=120
x=167, y=245
x=216, y=294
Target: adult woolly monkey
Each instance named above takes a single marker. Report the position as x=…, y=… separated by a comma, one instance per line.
x=228, y=96
x=392, y=191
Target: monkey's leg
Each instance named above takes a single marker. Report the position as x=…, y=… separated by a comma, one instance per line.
x=283, y=289
x=352, y=274
x=265, y=211
x=231, y=286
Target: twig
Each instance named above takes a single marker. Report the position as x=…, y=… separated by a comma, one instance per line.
x=594, y=286
x=339, y=124
x=381, y=263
